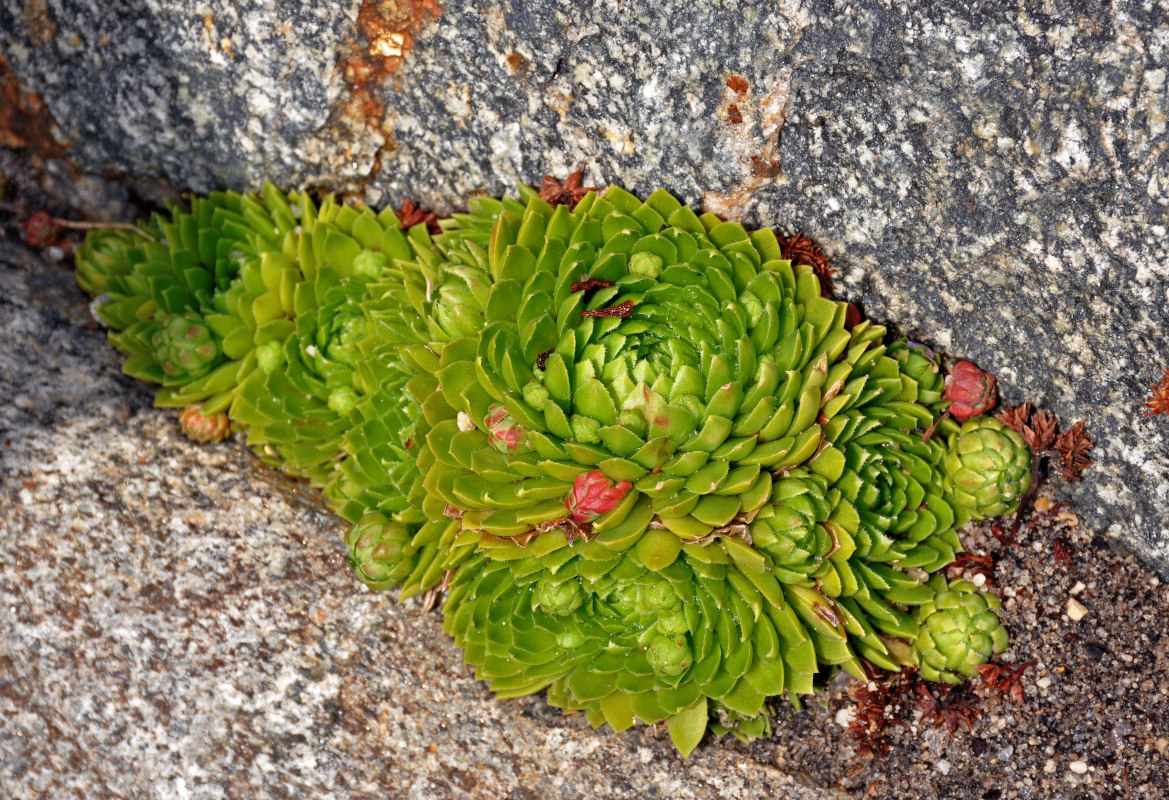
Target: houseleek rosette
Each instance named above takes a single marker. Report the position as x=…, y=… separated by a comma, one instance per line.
x=189, y=301
x=297, y=405
x=774, y=487
x=987, y=468
x=959, y=630
x=659, y=474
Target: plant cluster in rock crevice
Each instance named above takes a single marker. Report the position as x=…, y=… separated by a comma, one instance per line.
x=657, y=472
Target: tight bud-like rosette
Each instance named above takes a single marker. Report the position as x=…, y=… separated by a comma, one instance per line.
x=959, y=630
x=40, y=230
x=971, y=391
x=185, y=347
x=380, y=551
x=987, y=468
x=504, y=433
x=593, y=494
x=204, y=428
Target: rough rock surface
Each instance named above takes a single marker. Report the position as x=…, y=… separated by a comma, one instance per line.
x=994, y=177
x=180, y=622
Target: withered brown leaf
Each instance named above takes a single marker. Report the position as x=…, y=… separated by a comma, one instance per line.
x=1005, y=679
x=566, y=193
x=800, y=249
x=410, y=216
x=1015, y=418
x=1073, y=448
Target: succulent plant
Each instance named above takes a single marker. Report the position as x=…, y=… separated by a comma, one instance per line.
x=658, y=473
x=41, y=230
x=971, y=391
x=204, y=428
x=987, y=468
x=921, y=371
x=959, y=630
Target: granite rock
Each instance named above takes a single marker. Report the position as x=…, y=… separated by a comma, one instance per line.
x=990, y=176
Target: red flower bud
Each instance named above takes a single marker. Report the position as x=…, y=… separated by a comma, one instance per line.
x=970, y=391
x=40, y=230
x=593, y=494
x=201, y=428
x=505, y=434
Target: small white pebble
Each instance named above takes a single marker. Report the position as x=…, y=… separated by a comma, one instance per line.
x=644, y=755
x=979, y=580
x=1049, y=765
x=1162, y=745
x=1078, y=767
x=1079, y=587
x=1076, y=610
x=845, y=716
x=1037, y=547
x=944, y=767
x=1043, y=682
x=463, y=419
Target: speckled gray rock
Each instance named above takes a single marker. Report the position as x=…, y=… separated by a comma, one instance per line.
x=179, y=622
x=992, y=177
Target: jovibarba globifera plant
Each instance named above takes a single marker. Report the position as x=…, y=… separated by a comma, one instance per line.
x=659, y=475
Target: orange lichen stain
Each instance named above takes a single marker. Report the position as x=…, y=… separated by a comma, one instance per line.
x=737, y=84
x=389, y=28
x=387, y=35
x=752, y=129
x=25, y=122
x=39, y=25
x=518, y=63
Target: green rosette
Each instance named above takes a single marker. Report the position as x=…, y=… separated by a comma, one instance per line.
x=921, y=374
x=767, y=450
x=216, y=266
x=959, y=630
x=380, y=551
x=298, y=404
x=987, y=468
